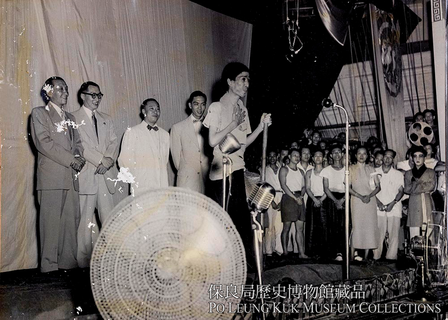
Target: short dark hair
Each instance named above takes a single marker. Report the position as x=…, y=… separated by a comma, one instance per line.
x=83, y=89
x=50, y=82
x=429, y=110
x=145, y=102
x=292, y=150
x=232, y=70
x=415, y=149
x=390, y=150
x=197, y=93
x=433, y=148
x=379, y=152
x=316, y=131
x=335, y=146
x=416, y=115
x=318, y=150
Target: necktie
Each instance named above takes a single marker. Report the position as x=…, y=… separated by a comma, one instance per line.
x=152, y=128
x=95, y=124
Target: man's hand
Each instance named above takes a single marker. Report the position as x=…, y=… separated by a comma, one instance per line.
x=317, y=203
x=365, y=199
x=77, y=163
x=108, y=162
x=266, y=118
x=81, y=158
x=390, y=206
x=101, y=169
x=238, y=115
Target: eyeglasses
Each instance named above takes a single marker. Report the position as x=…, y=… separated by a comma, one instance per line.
x=95, y=95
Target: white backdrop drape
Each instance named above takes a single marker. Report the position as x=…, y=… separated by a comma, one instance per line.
x=134, y=49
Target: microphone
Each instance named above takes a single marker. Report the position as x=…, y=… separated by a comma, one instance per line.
x=229, y=144
x=327, y=103
x=261, y=196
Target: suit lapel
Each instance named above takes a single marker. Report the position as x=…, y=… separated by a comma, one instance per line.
x=191, y=132
x=88, y=127
x=54, y=115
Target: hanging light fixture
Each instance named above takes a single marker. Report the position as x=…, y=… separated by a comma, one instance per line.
x=292, y=27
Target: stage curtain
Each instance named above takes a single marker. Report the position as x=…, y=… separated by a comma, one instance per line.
x=134, y=49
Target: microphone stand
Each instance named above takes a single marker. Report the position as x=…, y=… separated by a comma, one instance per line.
x=346, y=273
x=225, y=162
x=347, y=197
x=258, y=239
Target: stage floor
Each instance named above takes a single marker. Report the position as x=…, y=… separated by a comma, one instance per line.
x=28, y=294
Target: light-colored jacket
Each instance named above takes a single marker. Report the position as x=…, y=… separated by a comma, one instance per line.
x=191, y=162
x=107, y=145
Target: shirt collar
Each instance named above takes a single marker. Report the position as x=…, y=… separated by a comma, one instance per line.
x=88, y=111
x=146, y=124
x=193, y=118
x=56, y=107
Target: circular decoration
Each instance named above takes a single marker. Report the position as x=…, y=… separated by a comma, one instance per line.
x=160, y=253
x=420, y=133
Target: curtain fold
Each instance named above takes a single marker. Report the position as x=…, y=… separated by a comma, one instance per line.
x=133, y=49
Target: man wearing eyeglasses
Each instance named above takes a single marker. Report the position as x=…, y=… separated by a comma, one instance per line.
x=145, y=150
x=95, y=180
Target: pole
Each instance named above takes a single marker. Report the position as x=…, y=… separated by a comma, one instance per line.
x=263, y=156
x=346, y=274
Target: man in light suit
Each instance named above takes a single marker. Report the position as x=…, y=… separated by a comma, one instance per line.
x=59, y=158
x=187, y=146
x=95, y=180
x=145, y=151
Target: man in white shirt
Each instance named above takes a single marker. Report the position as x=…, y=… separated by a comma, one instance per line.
x=389, y=206
x=95, y=180
x=145, y=150
x=187, y=146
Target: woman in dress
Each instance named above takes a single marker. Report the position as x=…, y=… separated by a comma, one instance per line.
x=419, y=182
x=292, y=207
x=316, y=220
x=363, y=205
x=333, y=180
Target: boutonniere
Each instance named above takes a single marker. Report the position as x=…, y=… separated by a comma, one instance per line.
x=47, y=108
x=63, y=125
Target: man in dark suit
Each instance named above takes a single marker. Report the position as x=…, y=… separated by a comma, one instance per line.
x=59, y=160
x=187, y=146
x=95, y=180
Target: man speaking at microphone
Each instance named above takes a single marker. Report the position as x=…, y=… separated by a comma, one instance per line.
x=229, y=115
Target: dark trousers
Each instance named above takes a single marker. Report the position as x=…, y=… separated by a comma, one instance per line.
x=238, y=209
